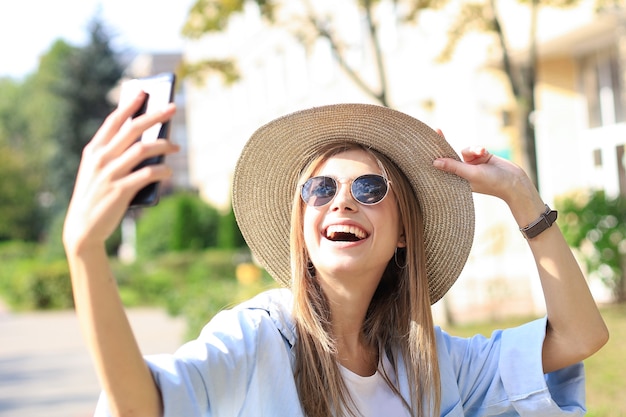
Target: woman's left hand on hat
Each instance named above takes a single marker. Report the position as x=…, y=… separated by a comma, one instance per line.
x=488, y=174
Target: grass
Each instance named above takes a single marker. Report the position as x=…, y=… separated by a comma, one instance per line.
x=605, y=371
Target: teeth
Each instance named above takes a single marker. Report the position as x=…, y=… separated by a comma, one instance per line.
x=333, y=230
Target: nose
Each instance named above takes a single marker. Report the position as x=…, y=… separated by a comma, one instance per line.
x=343, y=199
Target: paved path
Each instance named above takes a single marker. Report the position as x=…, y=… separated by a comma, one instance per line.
x=45, y=369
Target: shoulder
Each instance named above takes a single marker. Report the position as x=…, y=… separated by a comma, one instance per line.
x=267, y=312
x=223, y=368
x=455, y=346
x=238, y=335
x=279, y=300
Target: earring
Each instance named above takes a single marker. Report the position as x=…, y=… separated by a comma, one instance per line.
x=310, y=269
x=395, y=258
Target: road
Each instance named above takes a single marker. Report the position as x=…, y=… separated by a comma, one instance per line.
x=45, y=369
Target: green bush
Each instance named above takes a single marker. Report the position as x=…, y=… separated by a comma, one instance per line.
x=11, y=251
x=52, y=247
x=34, y=285
x=192, y=284
x=13, y=254
x=180, y=222
x=195, y=285
x=229, y=235
x=595, y=224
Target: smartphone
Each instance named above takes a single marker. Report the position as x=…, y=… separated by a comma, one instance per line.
x=159, y=91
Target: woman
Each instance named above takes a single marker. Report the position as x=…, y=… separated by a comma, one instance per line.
x=367, y=215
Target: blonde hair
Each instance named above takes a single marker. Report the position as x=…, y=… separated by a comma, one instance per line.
x=398, y=322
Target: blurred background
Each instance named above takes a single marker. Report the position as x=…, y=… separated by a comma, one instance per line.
x=540, y=82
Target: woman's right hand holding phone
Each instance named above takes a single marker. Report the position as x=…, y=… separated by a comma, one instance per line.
x=106, y=182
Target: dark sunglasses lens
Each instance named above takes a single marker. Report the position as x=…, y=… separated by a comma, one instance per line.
x=369, y=189
x=318, y=191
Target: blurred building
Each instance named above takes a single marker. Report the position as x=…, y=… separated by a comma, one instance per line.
x=578, y=120
x=582, y=99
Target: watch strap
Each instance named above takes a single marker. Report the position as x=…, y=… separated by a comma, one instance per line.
x=543, y=222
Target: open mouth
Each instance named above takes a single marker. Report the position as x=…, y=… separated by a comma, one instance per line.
x=345, y=233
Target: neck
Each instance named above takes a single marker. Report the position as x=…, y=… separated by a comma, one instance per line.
x=348, y=305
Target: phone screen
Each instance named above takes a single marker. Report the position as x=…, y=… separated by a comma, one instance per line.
x=159, y=93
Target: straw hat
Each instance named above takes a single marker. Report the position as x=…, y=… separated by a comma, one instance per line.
x=266, y=176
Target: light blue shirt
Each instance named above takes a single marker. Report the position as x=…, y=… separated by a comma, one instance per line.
x=242, y=365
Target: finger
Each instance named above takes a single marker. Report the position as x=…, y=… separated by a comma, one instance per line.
x=476, y=155
x=96, y=164
x=440, y=133
x=120, y=182
x=116, y=119
x=130, y=185
x=107, y=200
x=137, y=153
x=130, y=132
x=133, y=130
x=468, y=171
x=450, y=165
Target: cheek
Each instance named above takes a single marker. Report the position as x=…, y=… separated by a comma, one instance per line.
x=310, y=224
x=394, y=223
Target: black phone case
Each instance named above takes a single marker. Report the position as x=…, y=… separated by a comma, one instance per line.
x=149, y=195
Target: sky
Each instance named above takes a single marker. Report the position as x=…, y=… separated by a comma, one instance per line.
x=29, y=27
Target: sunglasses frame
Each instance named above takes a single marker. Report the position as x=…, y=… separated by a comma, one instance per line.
x=338, y=181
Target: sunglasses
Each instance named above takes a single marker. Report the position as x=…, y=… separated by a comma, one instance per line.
x=367, y=189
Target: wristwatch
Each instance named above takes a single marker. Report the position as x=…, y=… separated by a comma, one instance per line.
x=543, y=222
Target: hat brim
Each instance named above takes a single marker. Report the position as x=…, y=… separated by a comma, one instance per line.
x=266, y=176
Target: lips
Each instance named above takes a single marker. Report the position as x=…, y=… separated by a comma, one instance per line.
x=343, y=232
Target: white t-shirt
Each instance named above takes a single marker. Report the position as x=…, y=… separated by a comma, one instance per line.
x=371, y=394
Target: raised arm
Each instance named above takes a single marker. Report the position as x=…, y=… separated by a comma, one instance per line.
x=104, y=187
x=576, y=329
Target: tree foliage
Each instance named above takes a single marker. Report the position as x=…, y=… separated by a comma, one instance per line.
x=208, y=16
x=21, y=178
x=595, y=224
x=86, y=78
x=45, y=121
x=20, y=212
x=213, y=15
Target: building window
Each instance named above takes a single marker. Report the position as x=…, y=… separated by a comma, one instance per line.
x=600, y=79
x=597, y=158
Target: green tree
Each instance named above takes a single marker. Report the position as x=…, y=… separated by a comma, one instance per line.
x=87, y=76
x=208, y=16
x=21, y=176
x=12, y=123
x=20, y=212
x=41, y=106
